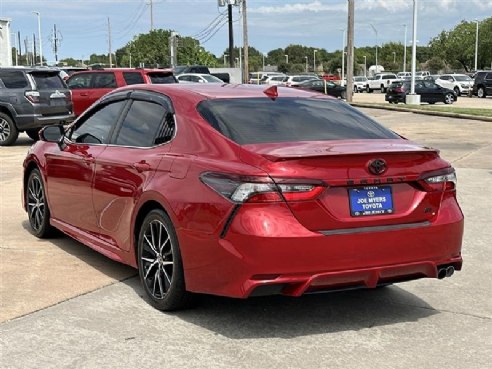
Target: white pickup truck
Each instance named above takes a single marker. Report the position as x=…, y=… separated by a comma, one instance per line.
x=380, y=81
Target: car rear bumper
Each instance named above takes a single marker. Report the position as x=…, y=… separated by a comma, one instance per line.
x=398, y=98
x=268, y=252
x=38, y=121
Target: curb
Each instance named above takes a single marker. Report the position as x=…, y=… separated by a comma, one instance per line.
x=424, y=112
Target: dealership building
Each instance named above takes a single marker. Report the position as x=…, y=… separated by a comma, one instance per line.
x=5, y=47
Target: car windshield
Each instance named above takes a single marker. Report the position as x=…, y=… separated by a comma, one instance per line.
x=211, y=79
x=462, y=78
x=262, y=120
x=161, y=78
x=179, y=69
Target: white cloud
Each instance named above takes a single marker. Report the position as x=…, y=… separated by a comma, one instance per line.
x=314, y=6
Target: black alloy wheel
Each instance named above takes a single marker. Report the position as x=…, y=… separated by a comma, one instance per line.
x=37, y=207
x=159, y=263
x=8, y=130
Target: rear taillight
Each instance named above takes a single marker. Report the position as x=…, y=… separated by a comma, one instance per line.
x=32, y=96
x=255, y=189
x=444, y=180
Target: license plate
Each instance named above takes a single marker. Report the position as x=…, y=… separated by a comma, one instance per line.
x=370, y=200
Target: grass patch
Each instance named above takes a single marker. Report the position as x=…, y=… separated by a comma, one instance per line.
x=443, y=108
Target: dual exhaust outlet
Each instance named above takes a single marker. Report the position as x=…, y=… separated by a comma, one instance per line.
x=445, y=272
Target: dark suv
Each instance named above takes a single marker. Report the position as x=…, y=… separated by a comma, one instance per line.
x=89, y=86
x=482, y=85
x=30, y=99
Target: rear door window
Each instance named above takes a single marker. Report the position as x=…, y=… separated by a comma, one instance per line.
x=262, y=120
x=133, y=78
x=48, y=81
x=13, y=79
x=141, y=125
x=104, y=80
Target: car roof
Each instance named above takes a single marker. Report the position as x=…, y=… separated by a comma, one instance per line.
x=193, y=74
x=204, y=91
x=146, y=70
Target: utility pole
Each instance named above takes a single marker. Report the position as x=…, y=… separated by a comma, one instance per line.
x=476, y=45
x=151, y=4
x=55, y=41
x=109, y=45
x=245, y=45
x=28, y=61
x=40, y=38
x=34, y=47
x=231, y=36
x=20, y=46
x=350, y=50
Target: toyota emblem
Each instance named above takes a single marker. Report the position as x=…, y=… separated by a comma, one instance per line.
x=377, y=166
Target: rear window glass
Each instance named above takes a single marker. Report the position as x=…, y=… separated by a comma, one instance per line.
x=161, y=78
x=47, y=80
x=262, y=120
x=133, y=78
x=13, y=79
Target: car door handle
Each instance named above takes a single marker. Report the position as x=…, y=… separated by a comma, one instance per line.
x=141, y=166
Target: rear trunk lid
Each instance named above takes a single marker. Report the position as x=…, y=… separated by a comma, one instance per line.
x=355, y=195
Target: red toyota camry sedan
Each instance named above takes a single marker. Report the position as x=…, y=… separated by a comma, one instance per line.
x=238, y=190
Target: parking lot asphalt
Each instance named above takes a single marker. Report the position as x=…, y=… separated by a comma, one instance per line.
x=65, y=306
x=377, y=97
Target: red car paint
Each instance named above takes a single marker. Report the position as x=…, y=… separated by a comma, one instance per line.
x=95, y=193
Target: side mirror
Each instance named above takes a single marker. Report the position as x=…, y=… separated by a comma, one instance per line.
x=52, y=133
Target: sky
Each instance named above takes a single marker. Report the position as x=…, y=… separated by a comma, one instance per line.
x=83, y=24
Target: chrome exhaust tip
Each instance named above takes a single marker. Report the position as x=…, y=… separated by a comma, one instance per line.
x=449, y=271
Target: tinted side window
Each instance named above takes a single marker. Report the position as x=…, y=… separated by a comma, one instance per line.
x=80, y=81
x=141, y=125
x=160, y=78
x=13, y=79
x=104, y=80
x=258, y=120
x=133, y=78
x=488, y=76
x=97, y=127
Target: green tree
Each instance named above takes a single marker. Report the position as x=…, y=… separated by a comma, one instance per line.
x=457, y=46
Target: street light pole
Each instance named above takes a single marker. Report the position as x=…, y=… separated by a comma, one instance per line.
x=476, y=46
x=263, y=58
x=405, y=50
x=12, y=34
x=413, y=98
x=225, y=55
x=40, y=39
x=314, y=61
x=343, y=55
x=376, y=32
x=394, y=57
x=306, y=63
x=286, y=59
x=365, y=66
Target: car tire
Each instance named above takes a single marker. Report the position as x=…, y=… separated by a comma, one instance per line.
x=8, y=130
x=383, y=89
x=159, y=263
x=457, y=90
x=481, y=92
x=368, y=90
x=33, y=134
x=448, y=98
x=343, y=95
x=37, y=206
